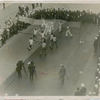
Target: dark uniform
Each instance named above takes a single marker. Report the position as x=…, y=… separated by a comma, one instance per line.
x=77, y=93
x=83, y=91
x=19, y=68
x=62, y=74
x=32, y=70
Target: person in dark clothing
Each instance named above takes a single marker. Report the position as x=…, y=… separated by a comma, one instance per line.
x=83, y=90
x=41, y=5
x=62, y=73
x=33, y=6
x=32, y=70
x=27, y=9
x=19, y=68
x=77, y=93
x=3, y=5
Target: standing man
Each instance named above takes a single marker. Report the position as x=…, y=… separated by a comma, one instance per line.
x=77, y=93
x=68, y=32
x=3, y=5
x=19, y=68
x=95, y=44
x=43, y=48
x=23, y=67
x=51, y=40
x=42, y=35
x=83, y=90
x=62, y=73
x=54, y=40
x=33, y=6
x=32, y=70
x=60, y=27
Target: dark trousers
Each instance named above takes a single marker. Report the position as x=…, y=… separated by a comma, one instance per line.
x=31, y=76
x=19, y=73
x=62, y=79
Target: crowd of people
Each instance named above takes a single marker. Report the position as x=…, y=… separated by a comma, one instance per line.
x=11, y=27
x=67, y=15
x=97, y=76
x=38, y=12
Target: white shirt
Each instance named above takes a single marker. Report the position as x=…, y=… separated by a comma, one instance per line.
x=43, y=44
x=54, y=39
x=31, y=41
x=51, y=37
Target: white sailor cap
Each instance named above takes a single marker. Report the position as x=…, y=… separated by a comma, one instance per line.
x=82, y=84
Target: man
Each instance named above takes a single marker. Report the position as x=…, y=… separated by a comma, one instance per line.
x=19, y=68
x=31, y=42
x=27, y=9
x=60, y=27
x=41, y=5
x=77, y=93
x=35, y=35
x=43, y=48
x=62, y=73
x=83, y=90
x=3, y=5
x=23, y=66
x=42, y=35
x=95, y=44
x=49, y=30
x=32, y=70
x=54, y=40
x=33, y=6
x=43, y=23
x=52, y=26
x=68, y=32
x=51, y=40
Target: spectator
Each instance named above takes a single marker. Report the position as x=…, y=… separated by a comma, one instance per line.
x=77, y=93
x=83, y=90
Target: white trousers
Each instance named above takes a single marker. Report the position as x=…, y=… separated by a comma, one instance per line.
x=68, y=33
